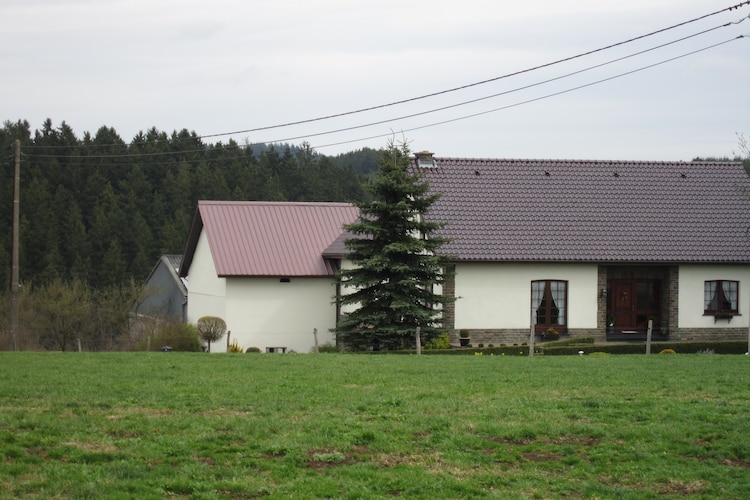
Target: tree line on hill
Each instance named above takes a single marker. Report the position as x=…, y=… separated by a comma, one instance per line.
x=101, y=210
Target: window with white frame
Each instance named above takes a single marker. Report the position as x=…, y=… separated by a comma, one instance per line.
x=721, y=297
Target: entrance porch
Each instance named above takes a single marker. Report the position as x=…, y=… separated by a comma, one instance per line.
x=635, y=295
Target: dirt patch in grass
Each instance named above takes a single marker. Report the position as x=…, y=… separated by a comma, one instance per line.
x=513, y=441
x=568, y=439
x=575, y=440
x=682, y=488
x=138, y=410
x=93, y=446
x=540, y=456
x=736, y=462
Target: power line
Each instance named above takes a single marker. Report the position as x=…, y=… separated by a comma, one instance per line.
x=506, y=92
x=443, y=108
x=442, y=92
x=473, y=115
x=482, y=82
x=443, y=122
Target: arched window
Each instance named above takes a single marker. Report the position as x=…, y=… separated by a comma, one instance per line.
x=549, y=305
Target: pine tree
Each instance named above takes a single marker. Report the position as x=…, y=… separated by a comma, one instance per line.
x=395, y=262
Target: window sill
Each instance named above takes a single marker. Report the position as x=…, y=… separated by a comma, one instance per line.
x=719, y=316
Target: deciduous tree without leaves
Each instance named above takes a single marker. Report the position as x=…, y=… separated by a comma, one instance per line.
x=211, y=329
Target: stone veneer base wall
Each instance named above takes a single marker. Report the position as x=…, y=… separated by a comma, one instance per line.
x=709, y=334
x=498, y=337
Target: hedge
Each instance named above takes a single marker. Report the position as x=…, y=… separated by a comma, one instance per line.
x=568, y=347
x=722, y=347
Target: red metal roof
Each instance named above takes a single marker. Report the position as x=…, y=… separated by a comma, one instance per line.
x=255, y=238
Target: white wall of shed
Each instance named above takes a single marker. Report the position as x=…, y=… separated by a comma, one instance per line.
x=206, y=291
x=266, y=312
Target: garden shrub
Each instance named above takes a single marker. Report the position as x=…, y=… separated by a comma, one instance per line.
x=442, y=341
x=719, y=347
x=252, y=349
x=234, y=347
x=179, y=336
x=571, y=341
x=328, y=347
x=667, y=351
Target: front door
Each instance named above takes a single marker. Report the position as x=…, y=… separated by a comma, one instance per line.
x=633, y=303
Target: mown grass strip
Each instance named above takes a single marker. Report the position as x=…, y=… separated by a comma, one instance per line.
x=154, y=425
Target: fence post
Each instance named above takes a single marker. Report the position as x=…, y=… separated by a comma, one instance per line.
x=648, y=336
x=419, y=341
x=315, y=335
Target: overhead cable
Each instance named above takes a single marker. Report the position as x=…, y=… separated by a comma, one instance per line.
x=528, y=101
x=462, y=87
x=444, y=108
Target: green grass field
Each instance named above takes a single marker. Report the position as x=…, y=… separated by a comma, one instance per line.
x=179, y=425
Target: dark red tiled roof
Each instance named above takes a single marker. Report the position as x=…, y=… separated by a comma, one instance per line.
x=592, y=211
x=268, y=238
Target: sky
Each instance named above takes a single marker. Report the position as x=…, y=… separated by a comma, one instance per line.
x=475, y=78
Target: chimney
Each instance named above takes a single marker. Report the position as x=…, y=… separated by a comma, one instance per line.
x=425, y=159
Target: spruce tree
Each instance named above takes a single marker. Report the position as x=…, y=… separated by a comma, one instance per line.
x=396, y=264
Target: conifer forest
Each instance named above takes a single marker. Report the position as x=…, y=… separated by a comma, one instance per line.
x=101, y=209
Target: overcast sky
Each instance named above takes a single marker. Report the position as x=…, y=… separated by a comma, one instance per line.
x=236, y=65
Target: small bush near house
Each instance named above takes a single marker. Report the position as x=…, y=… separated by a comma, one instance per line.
x=442, y=341
x=328, y=347
x=179, y=336
x=235, y=347
x=667, y=351
x=252, y=349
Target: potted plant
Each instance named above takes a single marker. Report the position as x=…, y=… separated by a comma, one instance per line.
x=463, y=337
x=610, y=324
x=550, y=334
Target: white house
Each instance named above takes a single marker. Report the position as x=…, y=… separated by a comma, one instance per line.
x=594, y=248
x=587, y=248
x=260, y=267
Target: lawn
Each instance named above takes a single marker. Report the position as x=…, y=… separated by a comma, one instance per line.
x=189, y=425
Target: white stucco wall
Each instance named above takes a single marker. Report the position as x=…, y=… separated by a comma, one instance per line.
x=261, y=312
x=690, y=305
x=498, y=296
x=206, y=291
x=345, y=290
x=265, y=312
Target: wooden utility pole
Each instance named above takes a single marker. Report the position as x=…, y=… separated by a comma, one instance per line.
x=15, y=286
